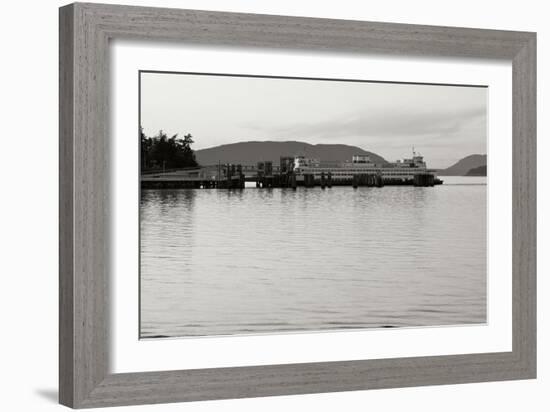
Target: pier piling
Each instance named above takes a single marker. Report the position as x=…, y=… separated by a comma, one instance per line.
x=424, y=180
x=292, y=178
x=309, y=180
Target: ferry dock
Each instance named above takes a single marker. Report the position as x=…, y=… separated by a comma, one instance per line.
x=293, y=172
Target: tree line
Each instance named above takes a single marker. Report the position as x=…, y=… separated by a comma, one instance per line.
x=162, y=152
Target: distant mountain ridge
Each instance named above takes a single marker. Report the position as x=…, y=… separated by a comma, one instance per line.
x=248, y=153
x=463, y=166
x=478, y=171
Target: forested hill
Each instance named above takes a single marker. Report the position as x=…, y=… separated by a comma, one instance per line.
x=248, y=153
x=463, y=166
x=477, y=171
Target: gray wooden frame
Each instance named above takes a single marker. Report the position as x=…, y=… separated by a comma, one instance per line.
x=85, y=31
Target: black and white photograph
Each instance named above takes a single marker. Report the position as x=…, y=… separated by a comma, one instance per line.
x=286, y=205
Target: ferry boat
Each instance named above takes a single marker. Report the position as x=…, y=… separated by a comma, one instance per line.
x=409, y=170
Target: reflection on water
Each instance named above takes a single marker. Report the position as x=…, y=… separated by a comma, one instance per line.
x=216, y=262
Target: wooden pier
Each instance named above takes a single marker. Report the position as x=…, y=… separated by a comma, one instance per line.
x=227, y=177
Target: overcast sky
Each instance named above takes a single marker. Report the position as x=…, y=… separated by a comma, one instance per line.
x=443, y=123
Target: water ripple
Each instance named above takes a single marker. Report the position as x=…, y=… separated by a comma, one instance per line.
x=217, y=262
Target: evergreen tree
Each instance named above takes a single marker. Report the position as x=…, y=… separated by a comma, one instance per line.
x=161, y=151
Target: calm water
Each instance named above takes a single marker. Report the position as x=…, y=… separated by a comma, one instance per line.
x=217, y=262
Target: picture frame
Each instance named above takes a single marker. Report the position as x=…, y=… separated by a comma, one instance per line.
x=84, y=355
